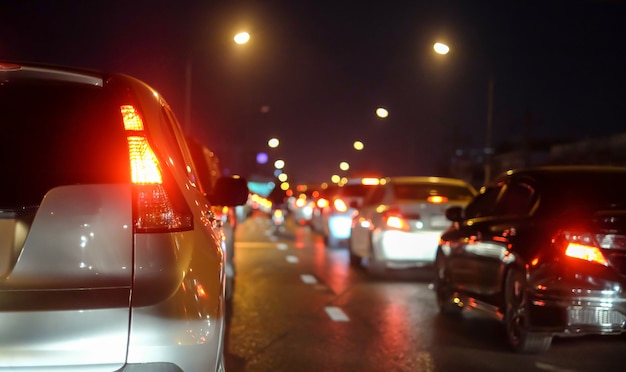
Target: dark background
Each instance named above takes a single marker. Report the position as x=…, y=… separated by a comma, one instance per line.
x=314, y=72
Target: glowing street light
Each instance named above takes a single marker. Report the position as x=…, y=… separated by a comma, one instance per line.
x=242, y=38
x=279, y=164
x=344, y=166
x=358, y=145
x=273, y=143
x=441, y=48
x=382, y=112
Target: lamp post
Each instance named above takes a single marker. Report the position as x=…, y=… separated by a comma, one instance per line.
x=443, y=49
x=240, y=38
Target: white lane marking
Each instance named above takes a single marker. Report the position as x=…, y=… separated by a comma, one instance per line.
x=282, y=246
x=336, y=314
x=308, y=279
x=292, y=259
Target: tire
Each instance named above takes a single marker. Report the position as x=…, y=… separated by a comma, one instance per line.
x=375, y=267
x=230, y=289
x=516, y=317
x=355, y=260
x=443, y=292
x=333, y=242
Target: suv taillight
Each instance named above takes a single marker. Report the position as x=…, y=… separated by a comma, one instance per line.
x=158, y=208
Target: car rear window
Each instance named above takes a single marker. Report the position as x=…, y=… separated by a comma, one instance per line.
x=58, y=133
x=355, y=190
x=415, y=191
x=591, y=190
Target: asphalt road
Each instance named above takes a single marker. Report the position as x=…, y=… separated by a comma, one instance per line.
x=299, y=306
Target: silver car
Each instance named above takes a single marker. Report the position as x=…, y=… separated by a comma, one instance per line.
x=401, y=220
x=109, y=258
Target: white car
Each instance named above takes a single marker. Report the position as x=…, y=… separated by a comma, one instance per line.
x=109, y=254
x=337, y=215
x=400, y=222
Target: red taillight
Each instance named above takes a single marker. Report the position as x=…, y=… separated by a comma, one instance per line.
x=340, y=205
x=396, y=222
x=144, y=164
x=584, y=247
x=322, y=203
x=437, y=199
x=157, y=208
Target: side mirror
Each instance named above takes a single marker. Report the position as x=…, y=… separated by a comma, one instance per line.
x=454, y=214
x=229, y=191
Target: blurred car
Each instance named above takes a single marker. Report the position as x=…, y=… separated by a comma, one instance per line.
x=399, y=223
x=301, y=203
x=544, y=251
x=109, y=257
x=323, y=200
x=337, y=215
x=209, y=174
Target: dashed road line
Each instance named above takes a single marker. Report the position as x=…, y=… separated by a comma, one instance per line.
x=308, y=279
x=292, y=259
x=336, y=314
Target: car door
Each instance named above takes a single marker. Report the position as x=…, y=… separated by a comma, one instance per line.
x=465, y=242
x=496, y=238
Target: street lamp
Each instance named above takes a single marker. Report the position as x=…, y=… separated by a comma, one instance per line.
x=240, y=38
x=444, y=49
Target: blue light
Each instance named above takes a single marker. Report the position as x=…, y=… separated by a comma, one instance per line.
x=261, y=158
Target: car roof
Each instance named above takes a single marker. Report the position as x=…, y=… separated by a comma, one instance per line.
x=555, y=172
x=53, y=72
x=427, y=179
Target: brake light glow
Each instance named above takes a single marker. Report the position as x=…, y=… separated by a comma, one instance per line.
x=131, y=118
x=437, y=199
x=582, y=246
x=370, y=181
x=340, y=205
x=157, y=207
x=322, y=203
x=585, y=252
x=396, y=222
x=144, y=164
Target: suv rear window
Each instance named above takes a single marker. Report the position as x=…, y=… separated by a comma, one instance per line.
x=56, y=133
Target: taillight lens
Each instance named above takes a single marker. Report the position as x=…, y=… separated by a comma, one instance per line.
x=437, y=199
x=340, y=205
x=158, y=208
x=583, y=246
x=396, y=222
x=322, y=203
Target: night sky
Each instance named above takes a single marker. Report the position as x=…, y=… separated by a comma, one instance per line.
x=314, y=72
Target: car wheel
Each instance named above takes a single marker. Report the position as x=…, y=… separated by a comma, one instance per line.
x=516, y=319
x=230, y=284
x=355, y=260
x=375, y=266
x=333, y=242
x=443, y=290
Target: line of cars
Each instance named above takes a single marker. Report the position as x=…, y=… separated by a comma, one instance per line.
x=111, y=254
x=542, y=250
